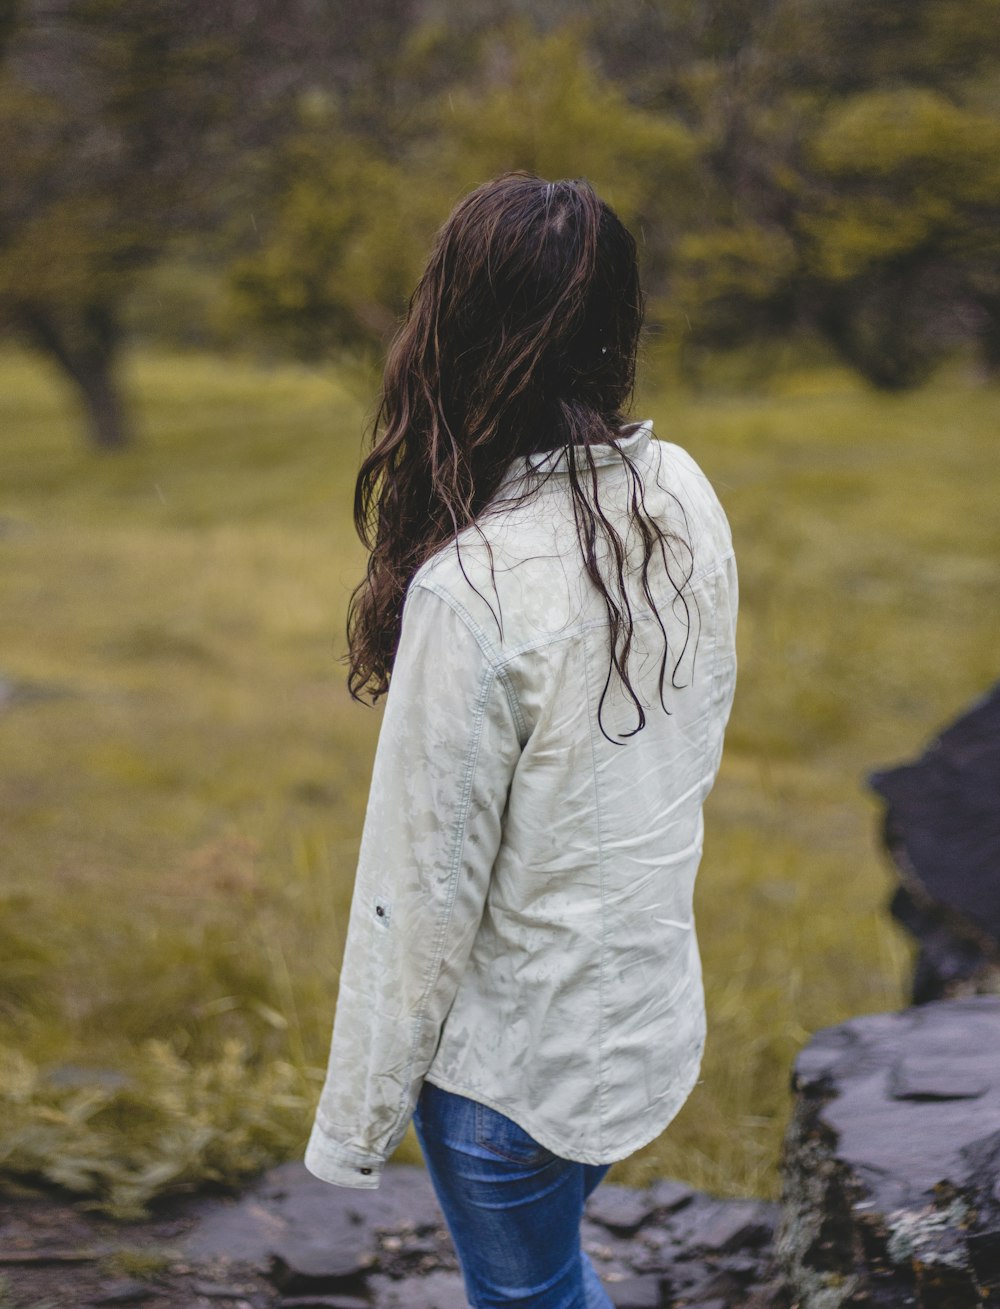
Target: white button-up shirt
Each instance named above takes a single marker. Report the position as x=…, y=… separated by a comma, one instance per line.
x=521, y=930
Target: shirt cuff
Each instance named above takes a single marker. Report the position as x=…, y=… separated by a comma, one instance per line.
x=327, y=1161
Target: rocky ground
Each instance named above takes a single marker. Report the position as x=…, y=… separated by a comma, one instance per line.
x=891, y=1201
x=293, y=1242
x=892, y=1162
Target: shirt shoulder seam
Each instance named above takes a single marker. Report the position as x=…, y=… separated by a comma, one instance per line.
x=497, y=663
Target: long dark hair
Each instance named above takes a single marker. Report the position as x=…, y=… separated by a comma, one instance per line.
x=521, y=336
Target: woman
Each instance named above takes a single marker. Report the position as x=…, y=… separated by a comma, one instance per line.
x=553, y=593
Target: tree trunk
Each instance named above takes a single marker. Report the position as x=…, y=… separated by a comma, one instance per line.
x=105, y=412
x=84, y=341
x=989, y=334
x=880, y=327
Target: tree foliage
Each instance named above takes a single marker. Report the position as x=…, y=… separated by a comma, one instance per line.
x=788, y=165
x=127, y=128
x=850, y=176
x=900, y=228
x=348, y=229
x=113, y=121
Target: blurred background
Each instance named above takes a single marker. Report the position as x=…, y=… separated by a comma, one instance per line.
x=211, y=216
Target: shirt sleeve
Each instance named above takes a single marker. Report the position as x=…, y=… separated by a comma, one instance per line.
x=446, y=754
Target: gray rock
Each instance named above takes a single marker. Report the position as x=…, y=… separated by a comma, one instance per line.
x=668, y=1195
x=322, y=1302
x=685, y=1225
x=327, y=1246
x=719, y=1285
x=942, y=828
x=437, y=1290
x=125, y=1290
x=679, y=1278
x=299, y=1265
x=598, y=1238
x=684, y=1276
x=653, y=1261
x=742, y=1266
x=620, y=1209
x=736, y=1225
x=635, y=1293
x=405, y=1200
x=983, y=1161
x=219, y=1290
x=654, y=1251
x=425, y=1245
x=925, y=1079
x=288, y=1202
x=889, y=1194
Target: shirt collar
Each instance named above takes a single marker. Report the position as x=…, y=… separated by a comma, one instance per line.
x=554, y=461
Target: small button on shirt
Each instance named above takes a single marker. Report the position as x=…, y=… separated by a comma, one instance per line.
x=521, y=930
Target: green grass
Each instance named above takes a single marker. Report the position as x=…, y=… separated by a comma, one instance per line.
x=184, y=775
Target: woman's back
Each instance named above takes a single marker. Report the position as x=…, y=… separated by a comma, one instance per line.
x=555, y=635
x=580, y=1012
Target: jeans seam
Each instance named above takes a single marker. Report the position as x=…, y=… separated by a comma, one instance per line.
x=541, y=1154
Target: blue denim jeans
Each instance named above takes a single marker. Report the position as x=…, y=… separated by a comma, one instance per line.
x=513, y=1208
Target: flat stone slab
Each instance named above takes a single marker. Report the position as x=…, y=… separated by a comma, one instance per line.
x=620, y=1208
x=942, y=811
x=642, y=1292
x=892, y=1160
x=942, y=829
x=437, y=1290
x=670, y=1195
x=289, y=1210
x=291, y=1241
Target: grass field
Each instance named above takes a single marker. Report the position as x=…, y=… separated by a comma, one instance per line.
x=183, y=776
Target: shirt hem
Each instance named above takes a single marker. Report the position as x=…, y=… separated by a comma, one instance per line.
x=674, y=1103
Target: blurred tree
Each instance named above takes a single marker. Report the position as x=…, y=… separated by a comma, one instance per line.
x=125, y=127
x=892, y=183
x=341, y=233
x=786, y=164
x=850, y=184
x=347, y=228
x=540, y=103
x=110, y=118
x=900, y=226
x=840, y=47
x=8, y=21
